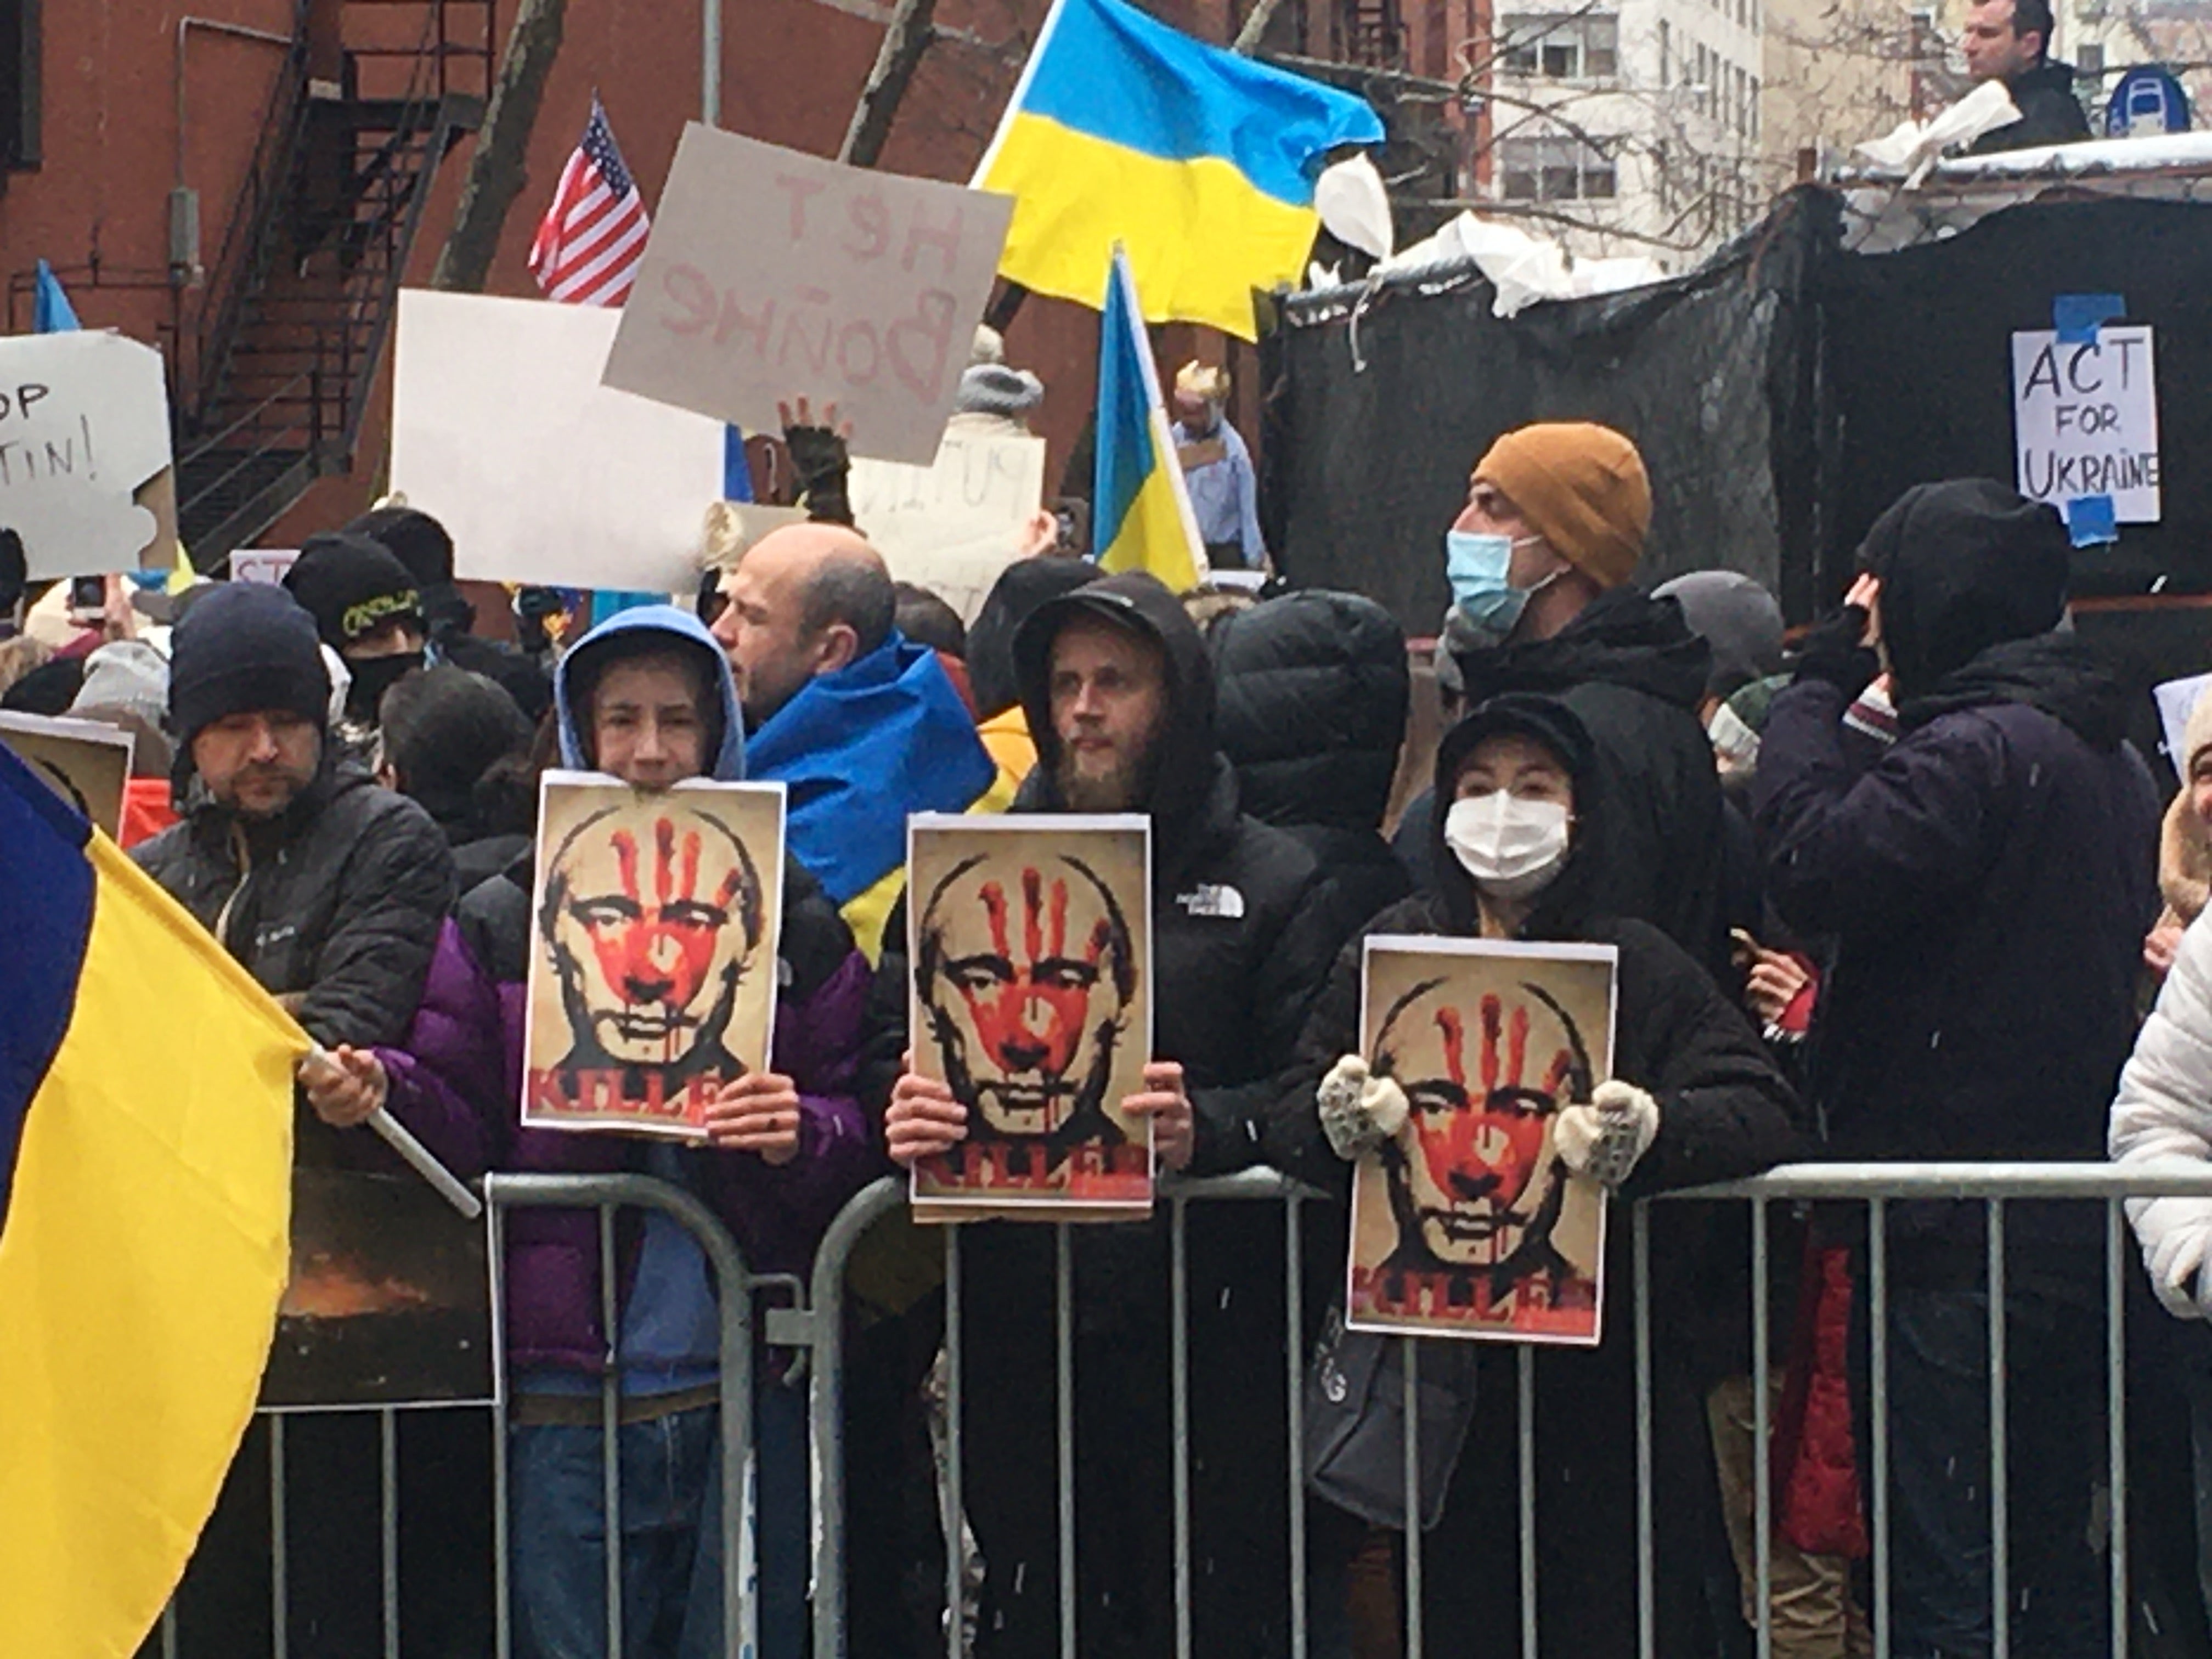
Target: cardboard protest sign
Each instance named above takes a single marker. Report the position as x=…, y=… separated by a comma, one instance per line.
x=84, y=425
x=953, y=525
x=1030, y=940
x=1465, y=1223
x=501, y=430
x=269, y=565
x=653, y=964
x=2085, y=417
x=86, y=762
x=391, y=1301
x=771, y=276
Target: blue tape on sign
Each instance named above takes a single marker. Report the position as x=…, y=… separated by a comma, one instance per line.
x=2090, y=520
x=2076, y=316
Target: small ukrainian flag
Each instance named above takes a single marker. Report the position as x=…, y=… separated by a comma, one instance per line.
x=1199, y=162
x=1140, y=514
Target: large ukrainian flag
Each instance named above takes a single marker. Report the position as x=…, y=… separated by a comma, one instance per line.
x=145, y=1182
x=1199, y=162
x=1141, y=511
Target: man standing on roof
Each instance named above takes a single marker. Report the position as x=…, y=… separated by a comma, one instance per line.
x=2009, y=40
x=1224, y=492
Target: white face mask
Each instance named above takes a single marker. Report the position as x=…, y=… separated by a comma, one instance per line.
x=1512, y=847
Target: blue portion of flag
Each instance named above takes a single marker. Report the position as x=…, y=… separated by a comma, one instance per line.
x=50, y=310
x=736, y=474
x=1124, y=456
x=45, y=916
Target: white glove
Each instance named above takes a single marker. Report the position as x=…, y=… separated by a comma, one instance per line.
x=1359, y=1110
x=1604, y=1138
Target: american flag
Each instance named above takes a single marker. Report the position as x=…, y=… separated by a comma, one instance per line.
x=588, y=248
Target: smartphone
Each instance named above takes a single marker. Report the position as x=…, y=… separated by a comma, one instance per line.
x=88, y=599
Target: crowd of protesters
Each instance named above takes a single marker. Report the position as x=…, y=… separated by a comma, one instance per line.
x=1890, y=893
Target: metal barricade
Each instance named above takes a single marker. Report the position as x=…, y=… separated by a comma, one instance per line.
x=1873, y=1188
x=734, y=1287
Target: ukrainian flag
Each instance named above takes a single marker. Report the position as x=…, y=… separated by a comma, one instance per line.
x=1140, y=512
x=145, y=1190
x=1201, y=162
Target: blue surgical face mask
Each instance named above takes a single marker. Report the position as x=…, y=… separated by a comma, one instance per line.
x=1475, y=564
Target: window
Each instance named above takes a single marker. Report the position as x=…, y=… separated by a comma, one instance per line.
x=1554, y=168
x=1584, y=46
x=20, y=124
x=1666, y=55
x=2089, y=57
x=1755, y=106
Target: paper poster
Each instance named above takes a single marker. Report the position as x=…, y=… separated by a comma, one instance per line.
x=501, y=431
x=654, y=951
x=1030, y=941
x=86, y=762
x=2085, y=417
x=269, y=565
x=1466, y=1223
x=391, y=1300
x=2177, y=700
x=771, y=276
x=954, y=525
x=84, y=425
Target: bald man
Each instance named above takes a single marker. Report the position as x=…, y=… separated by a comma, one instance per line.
x=809, y=599
x=861, y=726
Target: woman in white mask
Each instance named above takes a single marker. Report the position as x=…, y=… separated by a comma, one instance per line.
x=1693, y=1098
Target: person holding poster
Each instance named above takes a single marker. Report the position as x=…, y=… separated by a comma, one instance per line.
x=1120, y=694
x=647, y=698
x=1691, y=1097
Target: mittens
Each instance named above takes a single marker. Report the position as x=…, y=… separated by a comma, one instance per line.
x=1604, y=1138
x=819, y=459
x=1359, y=1110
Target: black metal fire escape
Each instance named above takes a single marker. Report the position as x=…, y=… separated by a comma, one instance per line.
x=301, y=298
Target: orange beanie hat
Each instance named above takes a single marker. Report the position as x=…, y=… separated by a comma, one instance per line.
x=1581, y=488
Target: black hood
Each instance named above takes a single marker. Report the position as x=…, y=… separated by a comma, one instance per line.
x=1965, y=565
x=2054, y=672
x=1022, y=587
x=1312, y=689
x=1622, y=638
x=1184, y=775
x=1564, y=905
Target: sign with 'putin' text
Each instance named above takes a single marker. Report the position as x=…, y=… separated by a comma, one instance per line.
x=772, y=276
x=2085, y=419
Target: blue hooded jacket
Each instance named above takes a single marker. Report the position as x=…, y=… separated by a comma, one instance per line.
x=861, y=747
x=729, y=762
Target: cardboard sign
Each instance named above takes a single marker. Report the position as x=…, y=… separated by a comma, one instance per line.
x=1466, y=1223
x=653, y=962
x=771, y=276
x=84, y=424
x=86, y=762
x=270, y=565
x=1030, y=939
x=953, y=525
x=2085, y=417
x=501, y=430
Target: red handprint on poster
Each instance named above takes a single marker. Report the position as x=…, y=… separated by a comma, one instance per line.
x=1465, y=1221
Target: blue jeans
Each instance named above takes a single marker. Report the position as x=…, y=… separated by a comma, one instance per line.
x=671, y=1519
x=1938, y=1397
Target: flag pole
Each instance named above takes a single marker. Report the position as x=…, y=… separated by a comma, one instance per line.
x=417, y=1157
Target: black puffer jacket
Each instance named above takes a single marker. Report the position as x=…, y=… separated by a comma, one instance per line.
x=338, y=899
x=1989, y=881
x=1725, y=1112
x=2050, y=113
x=1631, y=671
x=1312, y=690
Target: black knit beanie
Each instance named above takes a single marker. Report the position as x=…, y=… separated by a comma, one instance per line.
x=245, y=649
x=352, y=586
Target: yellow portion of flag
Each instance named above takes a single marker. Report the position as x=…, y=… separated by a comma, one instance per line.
x=147, y=1244
x=1156, y=534
x=1075, y=196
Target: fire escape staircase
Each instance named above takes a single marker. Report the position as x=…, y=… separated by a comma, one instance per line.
x=303, y=295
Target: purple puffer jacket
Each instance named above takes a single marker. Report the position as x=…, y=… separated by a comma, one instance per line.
x=456, y=1084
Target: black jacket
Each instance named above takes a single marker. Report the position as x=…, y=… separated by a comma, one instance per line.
x=1725, y=1112
x=1312, y=690
x=2049, y=112
x=338, y=899
x=1631, y=671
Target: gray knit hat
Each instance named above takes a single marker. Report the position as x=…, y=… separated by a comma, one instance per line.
x=127, y=676
x=994, y=389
